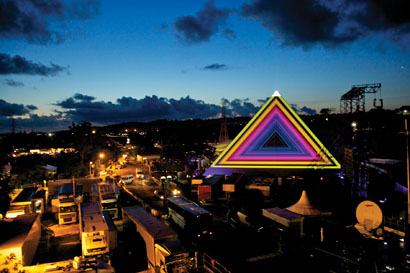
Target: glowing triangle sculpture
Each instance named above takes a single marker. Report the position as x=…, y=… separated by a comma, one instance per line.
x=276, y=138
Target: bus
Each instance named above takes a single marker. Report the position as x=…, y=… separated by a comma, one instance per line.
x=190, y=217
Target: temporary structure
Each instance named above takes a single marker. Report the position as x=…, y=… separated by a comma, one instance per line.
x=303, y=207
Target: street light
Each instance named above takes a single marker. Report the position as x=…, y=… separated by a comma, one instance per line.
x=101, y=155
x=91, y=163
x=354, y=125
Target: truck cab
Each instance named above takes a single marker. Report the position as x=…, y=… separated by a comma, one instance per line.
x=67, y=211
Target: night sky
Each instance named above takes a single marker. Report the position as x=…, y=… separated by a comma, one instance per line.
x=115, y=61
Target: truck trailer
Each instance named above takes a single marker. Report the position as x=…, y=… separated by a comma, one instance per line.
x=109, y=198
x=94, y=230
x=22, y=204
x=165, y=252
x=19, y=239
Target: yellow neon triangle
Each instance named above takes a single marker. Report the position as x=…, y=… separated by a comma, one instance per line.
x=308, y=152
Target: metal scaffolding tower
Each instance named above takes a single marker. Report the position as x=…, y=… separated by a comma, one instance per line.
x=223, y=134
x=353, y=101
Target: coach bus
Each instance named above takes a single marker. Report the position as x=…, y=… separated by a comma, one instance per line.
x=189, y=216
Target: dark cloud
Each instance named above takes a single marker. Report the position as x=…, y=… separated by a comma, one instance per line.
x=12, y=109
x=378, y=15
x=229, y=34
x=200, y=28
x=31, y=19
x=163, y=27
x=35, y=123
x=298, y=22
x=263, y=101
x=31, y=107
x=241, y=108
x=215, y=67
x=82, y=97
x=131, y=109
x=148, y=109
x=82, y=9
x=20, y=65
x=13, y=83
x=79, y=108
x=330, y=23
x=304, y=110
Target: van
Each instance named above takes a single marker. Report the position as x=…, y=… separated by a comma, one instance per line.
x=139, y=174
x=125, y=180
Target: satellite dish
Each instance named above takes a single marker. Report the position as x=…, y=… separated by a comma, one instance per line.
x=369, y=215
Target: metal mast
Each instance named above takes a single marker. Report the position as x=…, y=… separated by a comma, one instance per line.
x=223, y=134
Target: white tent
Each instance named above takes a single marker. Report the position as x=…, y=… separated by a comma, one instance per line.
x=303, y=207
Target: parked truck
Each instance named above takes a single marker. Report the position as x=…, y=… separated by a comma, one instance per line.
x=67, y=205
x=22, y=203
x=94, y=230
x=109, y=198
x=19, y=241
x=165, y=252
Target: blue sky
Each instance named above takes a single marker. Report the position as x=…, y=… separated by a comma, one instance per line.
x=139, y=60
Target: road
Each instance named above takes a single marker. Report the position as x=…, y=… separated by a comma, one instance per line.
x=142, y=188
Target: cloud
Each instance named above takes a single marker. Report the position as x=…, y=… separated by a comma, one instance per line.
x=80, y=107
x=194, y=30
x=12, y=109
x=20, y=65
x=35, y=123
x=82, y=97
x=130, y=109
x=13, y=83
x=307, y=23
x=380, y=16
x=162, y=27
x=31, y=107
x=229, y=34
x=31, y=19
x=303, y=110
x=298, y=22
x=150, y=108
x=240, y=108
x=215, y=67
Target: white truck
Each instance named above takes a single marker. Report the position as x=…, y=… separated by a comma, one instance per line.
x=94, y=230
x=165, y=252
x=67, y=206
x=139, y=174
x=109, y=198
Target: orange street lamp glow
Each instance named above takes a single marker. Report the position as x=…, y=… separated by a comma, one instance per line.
x=101, y=155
